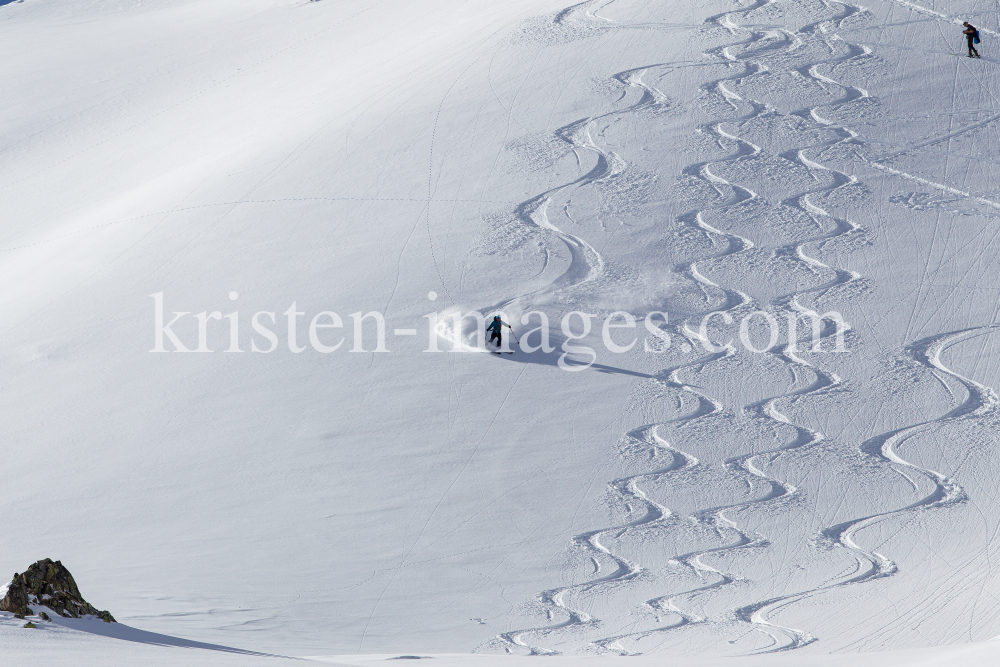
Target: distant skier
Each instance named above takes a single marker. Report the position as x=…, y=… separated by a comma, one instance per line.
x=972, y=37
x=495, y=329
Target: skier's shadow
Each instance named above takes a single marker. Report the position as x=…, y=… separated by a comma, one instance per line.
x=574, y=362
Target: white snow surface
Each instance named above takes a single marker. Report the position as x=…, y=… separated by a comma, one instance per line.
x=236, y=156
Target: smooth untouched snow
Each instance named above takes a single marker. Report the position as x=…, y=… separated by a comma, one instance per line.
x=700, y=500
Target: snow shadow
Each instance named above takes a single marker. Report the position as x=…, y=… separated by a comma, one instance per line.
x=577, y=361
x=127, y=633
x=8, y=2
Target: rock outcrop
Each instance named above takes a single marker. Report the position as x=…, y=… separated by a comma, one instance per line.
x=49, y=584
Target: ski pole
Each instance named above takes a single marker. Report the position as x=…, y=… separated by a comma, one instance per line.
x=512, y=334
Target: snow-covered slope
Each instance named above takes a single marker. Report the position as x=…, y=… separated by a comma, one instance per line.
x=758, y=161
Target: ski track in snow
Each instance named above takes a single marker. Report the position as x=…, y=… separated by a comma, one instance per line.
x=979, y=402
x=752, y=465
x=654, y=515
x=586, y=265
x=717, y=299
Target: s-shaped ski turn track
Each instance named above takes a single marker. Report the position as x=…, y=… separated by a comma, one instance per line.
x=717, y=299
x=755, y=464
x=650, y=444
x=759, y=44
x=824, y=381
x=758, y=613
x=980, y=402
x=750, y=465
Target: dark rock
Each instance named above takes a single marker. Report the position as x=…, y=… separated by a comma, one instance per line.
x=49, y=584
x=44, y=616
x=16, y=600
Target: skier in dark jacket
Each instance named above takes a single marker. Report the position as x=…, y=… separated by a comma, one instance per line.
x=496, y=326
x=971, y=36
